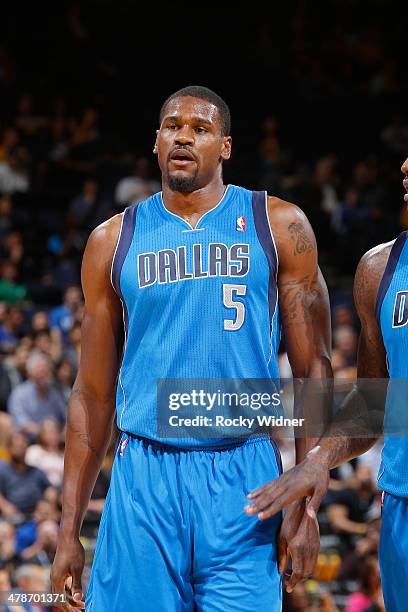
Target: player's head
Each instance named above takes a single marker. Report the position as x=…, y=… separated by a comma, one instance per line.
x=193, y=139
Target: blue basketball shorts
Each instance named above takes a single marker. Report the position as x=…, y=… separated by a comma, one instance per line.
x=393, y=553
x=174, y=536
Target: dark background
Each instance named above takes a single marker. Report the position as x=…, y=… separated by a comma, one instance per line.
x=318, y=93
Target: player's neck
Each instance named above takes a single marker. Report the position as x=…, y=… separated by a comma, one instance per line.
x=195, y=202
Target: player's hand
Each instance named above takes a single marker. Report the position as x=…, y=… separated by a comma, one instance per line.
x=66, y=572
x=298, y=539
x=310, y=478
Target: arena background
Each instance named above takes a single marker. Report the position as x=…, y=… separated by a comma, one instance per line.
x=318, y=95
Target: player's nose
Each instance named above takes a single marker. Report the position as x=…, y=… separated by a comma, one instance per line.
x=184, y=136
x=404, y=167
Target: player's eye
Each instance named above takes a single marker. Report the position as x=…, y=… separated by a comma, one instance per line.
x=172, y=126
x=200, y=130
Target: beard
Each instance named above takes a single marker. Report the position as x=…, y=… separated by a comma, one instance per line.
x=183, y=184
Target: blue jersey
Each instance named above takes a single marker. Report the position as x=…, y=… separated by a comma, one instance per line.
x=197, y=302
x=392, y=315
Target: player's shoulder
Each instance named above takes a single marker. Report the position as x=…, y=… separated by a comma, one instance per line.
x=369, y=274
x=108, y=230
x=102, y=243
x=282, y=211
x=374, y=261
x=103, y=239
x=291, y=228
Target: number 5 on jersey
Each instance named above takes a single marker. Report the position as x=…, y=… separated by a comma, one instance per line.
x=229, y=292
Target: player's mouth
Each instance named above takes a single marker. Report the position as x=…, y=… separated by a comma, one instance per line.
x=181, y=158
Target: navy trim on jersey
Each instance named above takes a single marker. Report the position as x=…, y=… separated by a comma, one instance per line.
x=122, y=248
x=277, y=455
x=389, y=273
x=266, y=241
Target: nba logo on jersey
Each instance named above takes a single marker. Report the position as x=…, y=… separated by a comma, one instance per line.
x=241, y=223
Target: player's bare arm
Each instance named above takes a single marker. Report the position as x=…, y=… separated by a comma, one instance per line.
x=349, y=434
x=91, y=406
x=305, y=313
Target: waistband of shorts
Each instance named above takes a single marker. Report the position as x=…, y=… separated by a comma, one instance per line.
x=207, y=449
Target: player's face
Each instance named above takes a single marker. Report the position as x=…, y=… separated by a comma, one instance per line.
x=404, y=169
x=190, y=145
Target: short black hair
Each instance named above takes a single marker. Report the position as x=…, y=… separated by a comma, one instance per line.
x=203, y=93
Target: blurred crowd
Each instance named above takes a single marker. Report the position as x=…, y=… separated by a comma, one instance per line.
x=329, y=134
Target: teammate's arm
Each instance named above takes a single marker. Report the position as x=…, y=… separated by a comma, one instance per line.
x=304, y=310
x=91, y=405
x=356, y=426
x=305, y=315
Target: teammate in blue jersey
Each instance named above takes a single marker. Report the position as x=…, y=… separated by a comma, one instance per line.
x=193, y=283
x=377, y=404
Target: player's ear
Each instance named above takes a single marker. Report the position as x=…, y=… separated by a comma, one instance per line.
x=155, y=144
x=226, y=147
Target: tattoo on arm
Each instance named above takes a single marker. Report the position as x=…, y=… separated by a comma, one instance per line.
x=83, y=437
x=298, y=300
x=303, y=243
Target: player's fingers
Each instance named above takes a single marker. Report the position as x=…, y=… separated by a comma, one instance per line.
x=268, y=496
x=277, y=505
x=297, y=549
x=76, y=588
x=72, y=604
x=58, y=586
x=280, y=482
x=257, y=492
x=295, y=577
x=313, y=504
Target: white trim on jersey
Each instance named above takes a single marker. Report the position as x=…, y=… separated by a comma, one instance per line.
x=191, y=228
x=276, y=279
x=114, y=254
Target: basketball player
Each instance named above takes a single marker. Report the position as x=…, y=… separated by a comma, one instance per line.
x=380, y=294
x=192, y=275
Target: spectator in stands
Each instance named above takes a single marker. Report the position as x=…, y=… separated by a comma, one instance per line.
x=47, y=454
x=60, y=131
x=65, y=376
x=62, y=317
x=369, y=595
x=49, y=343
x=345, y=348
x=35, y=400
x=27, y=533
x=5, y=585
x=10, y=328
x=21, y=485
x=15, y=364
x=42, y=551
x=31, y=578
x=6, y=214
x=10, y=291
x=6, y=429
x=40, y=321
x=138, y=187
x=7, y=542
x=9, y=141
x=86, y=209
x=73, y=350
x=343, y=314
x=13, y=247
x=395, y=135
x=13, y=173
x=347, y=506
x=27, y=121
